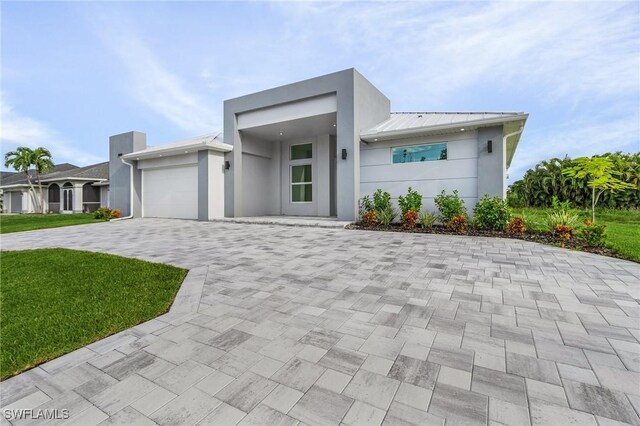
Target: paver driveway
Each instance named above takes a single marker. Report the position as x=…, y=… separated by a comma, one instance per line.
x=323, y=326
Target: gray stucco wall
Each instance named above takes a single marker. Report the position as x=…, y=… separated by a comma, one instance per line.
x=120, y=173
x=359, y=106
x=491, y=166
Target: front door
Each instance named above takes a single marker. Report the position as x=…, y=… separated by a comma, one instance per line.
x=67, y=200
x=299, y=176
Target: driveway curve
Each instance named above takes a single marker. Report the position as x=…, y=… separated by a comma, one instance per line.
x=328, y=326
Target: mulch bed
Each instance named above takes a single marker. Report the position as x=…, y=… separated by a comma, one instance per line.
x=538, y=237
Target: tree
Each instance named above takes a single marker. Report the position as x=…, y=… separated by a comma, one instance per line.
x=21, y=160
x=42, y=163
x=601, y=176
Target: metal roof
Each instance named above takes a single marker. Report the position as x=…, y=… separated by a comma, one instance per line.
x=421, y=120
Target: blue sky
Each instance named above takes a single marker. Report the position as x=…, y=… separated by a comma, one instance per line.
x=75, y=73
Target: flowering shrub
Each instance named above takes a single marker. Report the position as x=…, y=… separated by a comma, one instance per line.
x=491, y=213
x=516, y=225
x=106, y=213
x=370, y=218
x=593, y=234
x=565, y=232
x=409, y=219
x=458, y=223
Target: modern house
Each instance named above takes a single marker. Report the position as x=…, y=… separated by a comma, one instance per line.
x=313, y=148
x=67, y=189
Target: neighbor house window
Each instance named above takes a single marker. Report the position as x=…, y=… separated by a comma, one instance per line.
x=415, y=153
x=301, y=186
x=301, y=152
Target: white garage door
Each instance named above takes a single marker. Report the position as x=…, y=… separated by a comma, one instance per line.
x=170, y=192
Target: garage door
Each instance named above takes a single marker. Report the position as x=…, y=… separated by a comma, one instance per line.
x=170, y=192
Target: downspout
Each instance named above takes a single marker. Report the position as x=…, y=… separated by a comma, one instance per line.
x=504, y=143
x=130, y=190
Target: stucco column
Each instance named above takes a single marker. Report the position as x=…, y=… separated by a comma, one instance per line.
x=77, y=198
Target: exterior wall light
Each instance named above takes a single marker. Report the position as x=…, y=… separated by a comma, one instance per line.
x=227, y=165
x=344, y=153
x=489, y=147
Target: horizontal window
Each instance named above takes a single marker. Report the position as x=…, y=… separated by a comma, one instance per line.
x=301, y=152
x=416, y=153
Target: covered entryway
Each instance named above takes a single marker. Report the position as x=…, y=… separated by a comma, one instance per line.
x=67, y=198
x=170, y=192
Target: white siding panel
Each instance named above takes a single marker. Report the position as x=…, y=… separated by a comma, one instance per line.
x=425, y=170
x=170, y=192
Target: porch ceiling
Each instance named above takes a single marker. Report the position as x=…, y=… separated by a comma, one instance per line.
x=295, y=129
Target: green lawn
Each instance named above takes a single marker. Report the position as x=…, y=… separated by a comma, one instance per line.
x=53, y=301
x=29, y=222
x=623, y=227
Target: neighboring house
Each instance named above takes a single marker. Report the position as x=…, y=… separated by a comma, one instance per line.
x=313, y=148
x=67, y=189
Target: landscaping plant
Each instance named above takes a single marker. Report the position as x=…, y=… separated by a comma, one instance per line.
x=388, y=215
x=600, y=175
x=458, y=223
x=106, y=213
x=413, y=201
x=381, y=200
x=22, y=159
x=560, y=214
x=450, y=206
x=565, y=232
x=491, y=213
x=427, y=219
x=593, y=234
x=516, y=225
x=409, y=219
x=370, y=218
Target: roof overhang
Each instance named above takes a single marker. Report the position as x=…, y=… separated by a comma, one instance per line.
x=67, y=179
x=178, y=148
x=375, y=136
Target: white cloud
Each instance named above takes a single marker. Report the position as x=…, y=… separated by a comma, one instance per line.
x=20, y=130
x=155, y=86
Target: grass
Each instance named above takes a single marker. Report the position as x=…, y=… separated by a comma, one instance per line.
x=623, y=227
x=29, y=222
x=53, y=301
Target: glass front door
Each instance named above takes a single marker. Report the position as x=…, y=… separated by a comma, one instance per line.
x=67, y=199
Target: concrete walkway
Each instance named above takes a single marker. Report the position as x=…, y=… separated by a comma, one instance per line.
x=280, y=325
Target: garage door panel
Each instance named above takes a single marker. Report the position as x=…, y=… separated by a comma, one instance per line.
x=170, y=192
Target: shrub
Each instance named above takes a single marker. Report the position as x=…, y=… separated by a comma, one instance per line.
x=381, y=200
x=387, y=216
x=115, y=213
x=450, y=206
x=106, y=213
x=427, y=219
x=409, y=219
x=458, y=223
x=593, y=234
x=565, y=232
x=370, y=218
x=366, y=205
x=516, y=225
x=413, y=201
x=491, y=213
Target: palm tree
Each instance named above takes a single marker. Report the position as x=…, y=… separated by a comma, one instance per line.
x=42, y=163
x=21, y=160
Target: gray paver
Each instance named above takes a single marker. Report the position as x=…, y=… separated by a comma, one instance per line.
x=359, y=308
